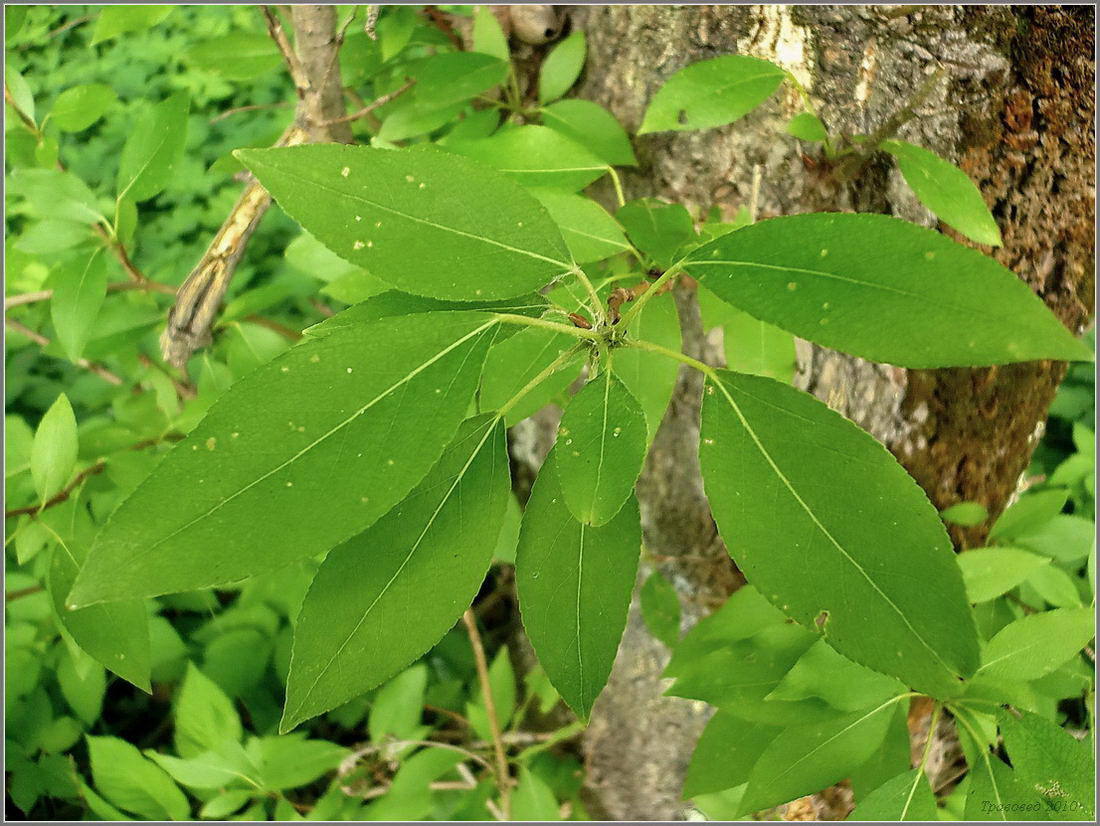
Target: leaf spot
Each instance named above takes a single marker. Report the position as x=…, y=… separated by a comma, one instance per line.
x=345, y=172
x=211, y=443
x=824, y=253
x=290, y=484
x=349, y=369
x=358, y=218
x=930, y=255
x=358, y=245
x=792, y=286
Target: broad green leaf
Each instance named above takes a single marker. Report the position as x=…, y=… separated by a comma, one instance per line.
x=711, y=93
x=434, y=548
x=514, y=363
x=533, y=799
x=826, y=523
x=843, y=684
x=1055, y=586
x=561, y=68
x=602, y=440
x=1038, y=643
x=965, y=513
x=890, y=759
x=455, y=77
x=78, y=292
x=883, y=289
x=574, y=584
x=649, y=376
x=116, y=20
x=21, y=94
x=990, y=572
x=905, y=797
x=154, y=147
x=306, y=451
x=204, y=716
x=1029, y=513
x=658, y=229
x=993, y=789
x=79, y=107
x=236, y=56
x=661, y=610
x=57, y=195
x=398, y=706
x=475, y=124
x=209, y=770
x=50, y=236
x=133, y=783
x=53, y=454
x=502, y=683
x=589, y=231
x=536, y=156
x=293, y=761
x=946, y=190
x=1066, y=538
x=224, y=804
x=590, y=125
x=428, y=222
x=488, y=36
x=1052, y=764
x=750, y=346
x=806, y=126
x=805, y=759
x=409, y=118
x=83, y=692
x=725, y=754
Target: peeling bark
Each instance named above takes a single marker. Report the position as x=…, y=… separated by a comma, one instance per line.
x=1015, y=111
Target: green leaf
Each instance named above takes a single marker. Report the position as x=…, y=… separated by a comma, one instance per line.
x=533, y=799
x=291, y=762
x=116, y=20
x=806, y=126
x=905, y=797
x=806, y=759
x=883, y=289
x=1038, y=643
x=590, y=125
x=1050, y=762
x=78, y=292
x=750, y=346
x=84, y=693
x=513, y=363
x=661, y=610
x=293, y=459
x=488, y=36
x=649, y=376
x=434, y=548
x=209, y=770
x=225, y=804
x=965, y=513
x=574, y=584
x=561, y=68
x=236, y=56
x=131, y=782
x=589, y=231
x=946, y=190
x=53, y=454
x=843, y=684
x=766, y=449
x=536, y=156
x=154, y=147
x=455, y=77
x=204, y=716
x=602, y=440
x=21, y=94
x=79, y=107
x=658, y=229
x=725, y=754
x=1055, y=586
x=398, y=705
x=1066, y=538
x=57, y=195
x=1029, y=513
x=990, y=572
x=502, y=683
x=711, y=93
x=409, y=119
x=50, y=236
x=428, y=222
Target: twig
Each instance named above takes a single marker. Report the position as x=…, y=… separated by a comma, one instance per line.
x=293, y=64
x=443, y=23
x=23, y=592
x=62, y=495
x=371, y=21
x=275, y=326
x=118, y=287
x=255, y=107
x=374, y=104
x=42, y=341
x=503, y=777
x=30, y=124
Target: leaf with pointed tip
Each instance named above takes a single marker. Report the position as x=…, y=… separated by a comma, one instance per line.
x=905, y=797
x=54, y=450
x=725, y=754
x=153, y=149
x=592, y=234
x=826, y=524
x=882, y=289
x=562, y=66
x=355, y=628
x=1036, y=644
x=602, y=441
x=428, y=222
x=574, y=585
x=296, y=457
x=78, y=292
x=536, y=156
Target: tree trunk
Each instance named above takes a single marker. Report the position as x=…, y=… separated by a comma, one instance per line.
x=1014, y=109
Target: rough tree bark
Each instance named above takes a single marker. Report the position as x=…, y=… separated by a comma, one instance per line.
x=1014, y=109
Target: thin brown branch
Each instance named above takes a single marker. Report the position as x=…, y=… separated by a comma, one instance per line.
x=30, y=124
x=293, y=64
x=255, y=107
x=442, y=21
x=30, y=590
x=42, y=341
x=63, y=494
x=503, y=777
x=275, y=326
x=375, y=104
x=118, y=287
x=371, y=21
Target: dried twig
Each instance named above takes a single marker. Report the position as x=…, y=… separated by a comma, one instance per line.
x=42, y=341
x=63, y=494
x=118, y=287
x=371, y=21
x=255, y=107
x=375, y=104
x=503, y=777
